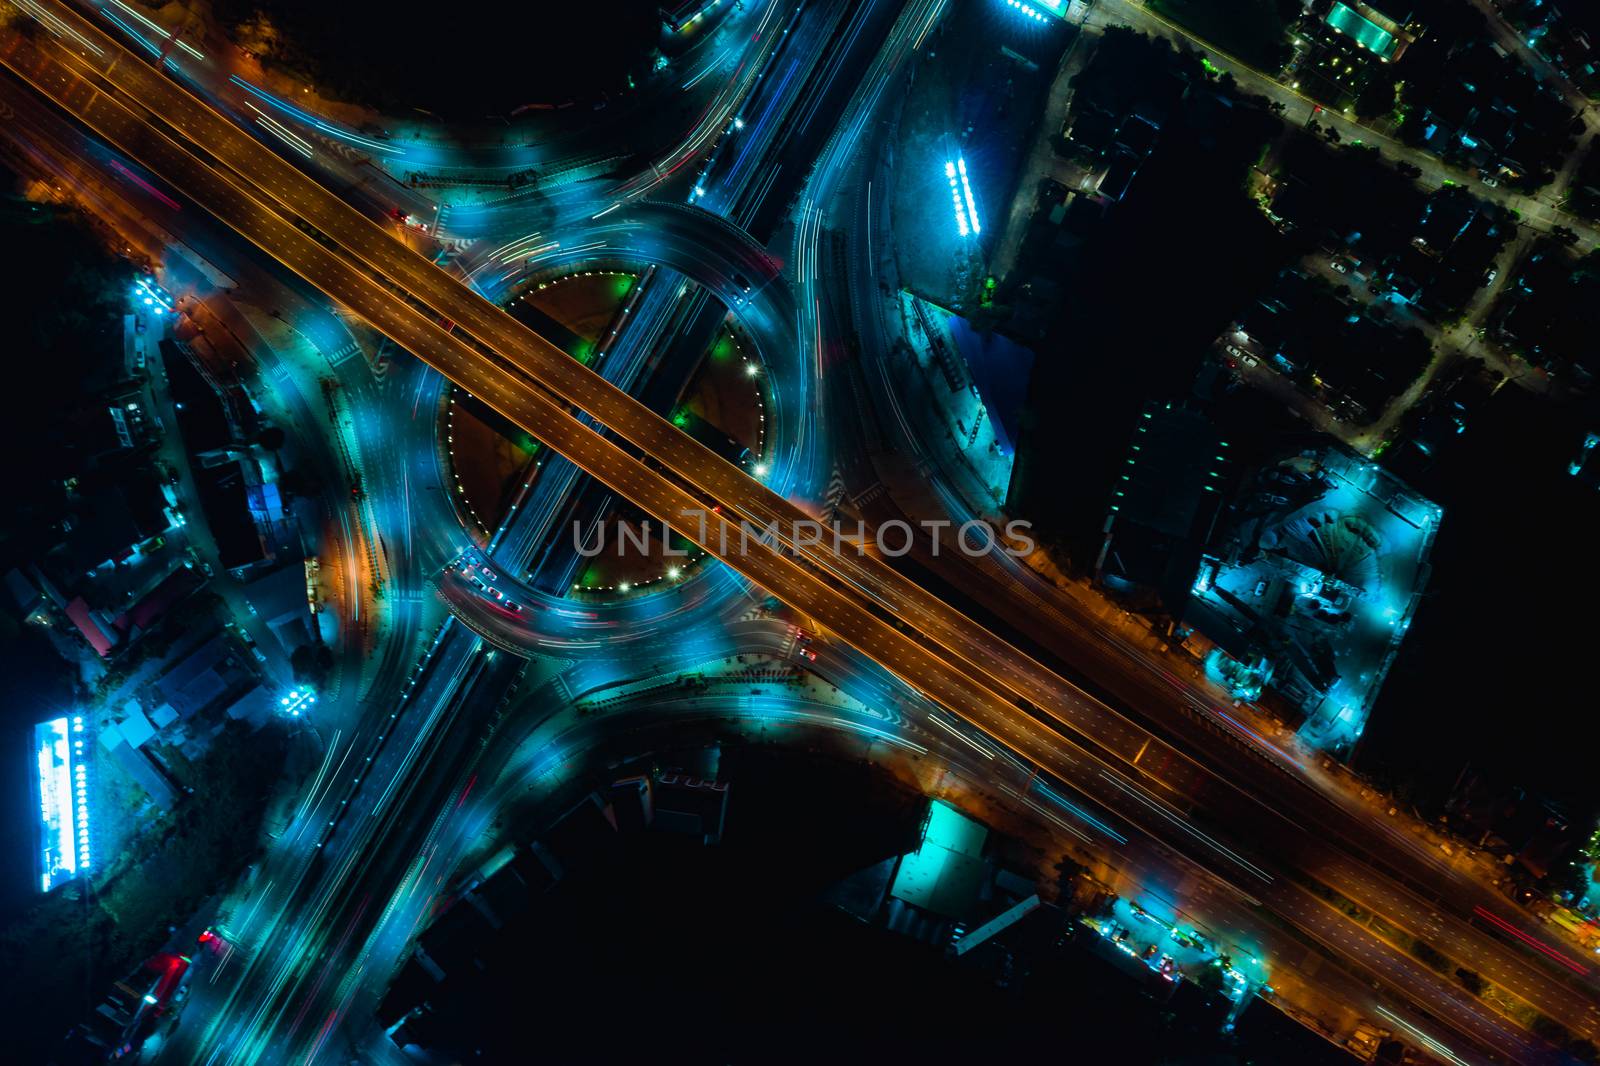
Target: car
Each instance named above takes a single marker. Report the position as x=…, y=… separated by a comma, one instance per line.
x=513, y=606
x=490, y=574
x=1248, y=360
x=1339, y=265
x=1493, y=183
x=1488, y=279
x=497, y=594
x=808, y=655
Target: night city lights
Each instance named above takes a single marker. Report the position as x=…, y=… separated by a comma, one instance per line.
x=749, y=531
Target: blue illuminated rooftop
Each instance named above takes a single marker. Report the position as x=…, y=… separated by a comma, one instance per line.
x=1366, y=33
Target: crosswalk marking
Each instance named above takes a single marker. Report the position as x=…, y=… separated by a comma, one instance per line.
x=351, y=349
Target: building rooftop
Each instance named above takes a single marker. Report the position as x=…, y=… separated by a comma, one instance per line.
x=944, y=874
x=1318, y=572
x=101, y=637
x=205, y=676
x=1368, y=28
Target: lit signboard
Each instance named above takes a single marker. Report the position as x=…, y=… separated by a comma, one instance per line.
x=966, y=209
x=63, y=800
x=1038, y=10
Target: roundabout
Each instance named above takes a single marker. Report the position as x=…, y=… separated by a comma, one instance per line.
x=690, y=315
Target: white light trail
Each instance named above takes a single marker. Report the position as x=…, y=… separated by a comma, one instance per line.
x=156, y=27
x=1194, y=831
x=968, y=741
x=56, y=26
x=1432, y=1044
x=278, y=129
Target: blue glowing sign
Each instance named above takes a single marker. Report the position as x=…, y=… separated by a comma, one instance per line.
x=63, y=800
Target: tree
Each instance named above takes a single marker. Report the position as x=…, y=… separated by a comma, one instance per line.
x=298, y=481
x=311, y=663
x=1067, y=872
x=1550, y=1029
x=1211, y=979
x=1567, y=880
x=1470, y=980
x=1429, y=955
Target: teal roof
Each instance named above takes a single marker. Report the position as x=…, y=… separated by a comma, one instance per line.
x=1363, y=31
x=945, y=873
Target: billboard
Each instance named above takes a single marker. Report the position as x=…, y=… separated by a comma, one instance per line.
x=63, y=800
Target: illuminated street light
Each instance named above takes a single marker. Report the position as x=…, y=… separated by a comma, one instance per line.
x=153, y=296
x=955, y=199
x=296, y=701
x=1026, y=9
x=961, y=200
x=966, y=190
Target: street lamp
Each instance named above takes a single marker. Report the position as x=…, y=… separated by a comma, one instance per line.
x=296, y=702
